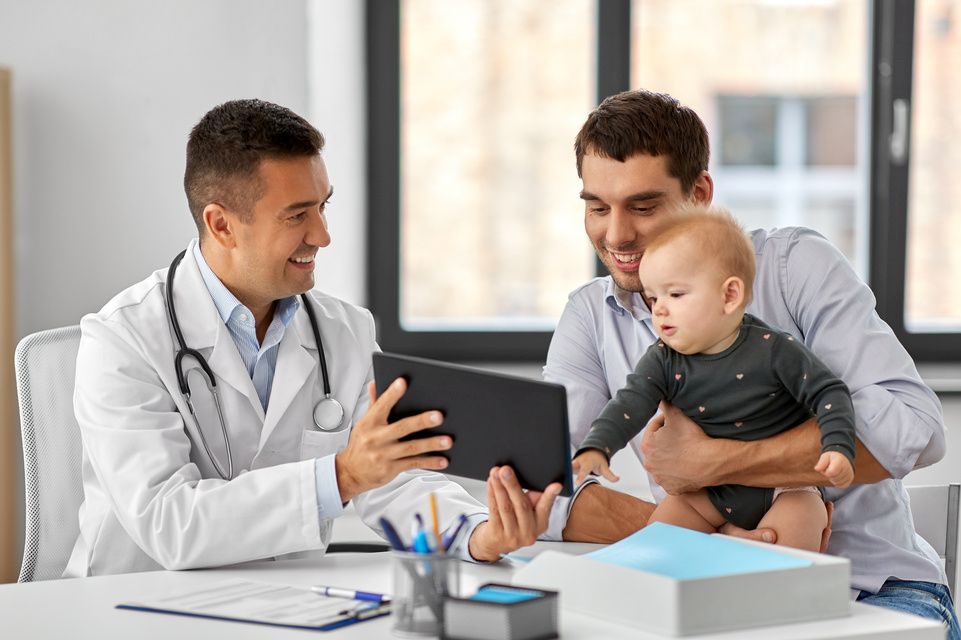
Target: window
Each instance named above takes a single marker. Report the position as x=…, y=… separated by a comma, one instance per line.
x=490, y=239
x=779, y=86
x=832, y=114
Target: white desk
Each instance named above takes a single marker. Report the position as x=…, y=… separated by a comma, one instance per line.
x=84, y=608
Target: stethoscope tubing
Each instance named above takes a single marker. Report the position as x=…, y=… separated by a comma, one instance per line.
x=337, y=422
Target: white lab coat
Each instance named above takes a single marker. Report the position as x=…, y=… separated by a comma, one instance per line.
x=152, y=498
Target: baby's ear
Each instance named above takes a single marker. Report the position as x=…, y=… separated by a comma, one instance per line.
x=733, y=291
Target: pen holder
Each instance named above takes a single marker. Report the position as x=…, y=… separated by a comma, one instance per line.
x=421, y=582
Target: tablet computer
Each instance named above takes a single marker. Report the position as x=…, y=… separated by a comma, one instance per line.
x=493, y=419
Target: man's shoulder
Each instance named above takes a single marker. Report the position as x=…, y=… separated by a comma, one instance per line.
x=777, y=242
x=592, y=291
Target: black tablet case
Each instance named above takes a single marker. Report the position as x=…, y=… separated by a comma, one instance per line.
x=494, y=419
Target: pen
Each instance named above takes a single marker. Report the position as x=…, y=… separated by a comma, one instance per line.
x=419, y=543
x=439, y=547
x=453, y=534
x=337, y=592
x=392, y=536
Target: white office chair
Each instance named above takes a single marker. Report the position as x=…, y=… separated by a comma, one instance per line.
x=45, y=366
x=935, y=512
x=52, y=454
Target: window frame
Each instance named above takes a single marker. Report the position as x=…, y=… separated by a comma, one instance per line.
x=892, y=65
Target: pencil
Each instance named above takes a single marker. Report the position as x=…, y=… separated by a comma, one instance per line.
x=433, y=517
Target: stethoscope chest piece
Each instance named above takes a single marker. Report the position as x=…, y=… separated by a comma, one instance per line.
x=329, y=416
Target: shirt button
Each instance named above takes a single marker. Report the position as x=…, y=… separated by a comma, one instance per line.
x=243, y=317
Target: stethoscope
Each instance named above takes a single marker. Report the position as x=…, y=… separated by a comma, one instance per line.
x=328, y=412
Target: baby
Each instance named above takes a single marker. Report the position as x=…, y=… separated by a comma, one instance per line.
x=729, y=372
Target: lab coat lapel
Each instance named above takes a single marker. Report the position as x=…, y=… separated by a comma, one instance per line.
x=203, y=329
x=295, y=362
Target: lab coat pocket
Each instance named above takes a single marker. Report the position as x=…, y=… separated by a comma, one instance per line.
x=317, y=444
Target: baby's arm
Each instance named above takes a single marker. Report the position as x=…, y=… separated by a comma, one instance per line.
x=816, y=387
x=631, y=407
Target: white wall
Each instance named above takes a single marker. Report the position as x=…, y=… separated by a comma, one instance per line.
x=105, y=94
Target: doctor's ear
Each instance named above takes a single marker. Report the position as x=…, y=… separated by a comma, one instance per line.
x=219, y=225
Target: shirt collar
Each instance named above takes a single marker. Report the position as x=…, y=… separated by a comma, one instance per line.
x=623, y=301
x=228, y=305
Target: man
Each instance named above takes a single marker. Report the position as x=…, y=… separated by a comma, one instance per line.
x=639, y=154
x=221, y=421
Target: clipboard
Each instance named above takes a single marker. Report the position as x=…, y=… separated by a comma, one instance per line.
x=493, y=419
x=262, y=603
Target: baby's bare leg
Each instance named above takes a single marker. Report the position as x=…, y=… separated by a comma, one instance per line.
x=798, y=517
x=689, y=510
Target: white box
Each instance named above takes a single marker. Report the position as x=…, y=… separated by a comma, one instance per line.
x=681, y=607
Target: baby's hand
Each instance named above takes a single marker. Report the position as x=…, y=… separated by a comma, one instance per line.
x=592, y=461
x=835, y=467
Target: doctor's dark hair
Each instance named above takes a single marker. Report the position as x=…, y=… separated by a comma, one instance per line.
x=226, y=147
x=655, y=124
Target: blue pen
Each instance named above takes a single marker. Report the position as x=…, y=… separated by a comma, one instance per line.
x=337, y=592
x=452, y=535
x=392, y=536
x=420, y=544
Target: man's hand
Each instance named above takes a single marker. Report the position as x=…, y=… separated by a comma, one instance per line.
x=836, y=468
x=677, y=452
x=761, y=535
x=516, y=517
x=770, y=535
x=374, y=456
x=592, y=461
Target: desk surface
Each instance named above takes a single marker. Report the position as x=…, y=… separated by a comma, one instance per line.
x=84, y=608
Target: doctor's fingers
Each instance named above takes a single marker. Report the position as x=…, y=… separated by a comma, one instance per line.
x=516, y=512
x=413, y=424
x=380, y=406
x=499, y=505
x=418, y=447
x=428, y=463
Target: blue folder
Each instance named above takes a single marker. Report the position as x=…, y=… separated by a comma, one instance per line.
x=684, y=554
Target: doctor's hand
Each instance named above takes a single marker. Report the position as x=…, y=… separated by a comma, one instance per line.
x=677, y=453
x=517, y=517
x=374, y=455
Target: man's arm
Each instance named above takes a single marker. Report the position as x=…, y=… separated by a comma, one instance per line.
x=602, y=515
x=681, y=457
x=897, y=417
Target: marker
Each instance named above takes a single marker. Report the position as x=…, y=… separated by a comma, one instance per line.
x=392, y=536
x=350, y=594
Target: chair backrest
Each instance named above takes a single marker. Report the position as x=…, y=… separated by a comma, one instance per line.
x=46, y=366
x=935, y=512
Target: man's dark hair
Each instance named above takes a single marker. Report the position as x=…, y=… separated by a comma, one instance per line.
x=226, y=147
x=634, y=122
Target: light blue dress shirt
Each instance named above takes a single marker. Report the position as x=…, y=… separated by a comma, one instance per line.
x=805, y=287
x=261, y=362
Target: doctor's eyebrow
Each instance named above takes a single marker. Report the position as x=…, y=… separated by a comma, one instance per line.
x=308, y=203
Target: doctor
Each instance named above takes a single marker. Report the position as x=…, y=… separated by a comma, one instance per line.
x=184, y=470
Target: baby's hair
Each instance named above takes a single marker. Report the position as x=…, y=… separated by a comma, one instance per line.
x=718, y=237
